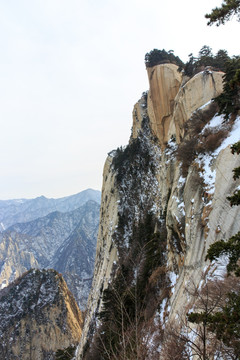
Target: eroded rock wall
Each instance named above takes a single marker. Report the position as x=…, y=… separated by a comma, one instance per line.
x=106, y=253
x=198, y=91
x=193, y=207
x=164, y=83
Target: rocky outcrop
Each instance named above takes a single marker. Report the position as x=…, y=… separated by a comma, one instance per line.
x=164, y=82
x=145, y=187
x=171, y=104
x=38, y=316
x=197, y=92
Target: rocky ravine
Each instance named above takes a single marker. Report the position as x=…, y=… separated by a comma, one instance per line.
x=38, y=317
x=148, y=177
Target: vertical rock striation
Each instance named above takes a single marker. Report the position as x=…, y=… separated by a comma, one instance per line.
x=164, y=82
x=186, y=201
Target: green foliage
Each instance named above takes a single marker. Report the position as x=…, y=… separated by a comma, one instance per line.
x=126, y=159
x=236, y=148
x=220, y=59
x=235, y=198
x=226, y=323
x=206, y=58
x=189, y=67
x=127, y=297
x=228, y=101
x=153, y=255
x=236, y=172
x=205, y=51
x=65, y=354
x=218, y=312
x=198, y=318
x=194, y=64
x=231, y=248
x=220, y=15
x=156, y=57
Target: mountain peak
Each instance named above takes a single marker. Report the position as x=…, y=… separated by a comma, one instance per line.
x=38, y=316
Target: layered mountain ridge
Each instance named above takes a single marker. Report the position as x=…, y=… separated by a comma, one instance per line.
x=52, y=241
x=163, y=203
x=24, y=210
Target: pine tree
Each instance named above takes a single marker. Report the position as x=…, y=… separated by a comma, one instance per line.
x=220, y=59
x=220, y=15
x=229, y=100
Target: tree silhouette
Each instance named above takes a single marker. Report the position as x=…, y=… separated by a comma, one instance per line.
x=220, y=15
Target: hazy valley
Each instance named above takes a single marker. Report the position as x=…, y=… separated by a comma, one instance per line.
x=51, y=233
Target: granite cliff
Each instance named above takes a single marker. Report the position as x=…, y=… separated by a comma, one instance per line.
x=163, y=203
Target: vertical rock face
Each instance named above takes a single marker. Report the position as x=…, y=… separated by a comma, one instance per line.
x=164, y=81
x=208, y=218
x=38, y=316
x=195, y=93
x=186, y=205
x=171, y=104
x=106, y=253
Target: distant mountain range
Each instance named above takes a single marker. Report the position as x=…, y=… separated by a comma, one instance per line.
x=23, y=210
x=51, y=233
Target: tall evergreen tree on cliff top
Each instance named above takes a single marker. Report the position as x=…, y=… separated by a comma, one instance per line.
x=229, y=100
x=220, y=15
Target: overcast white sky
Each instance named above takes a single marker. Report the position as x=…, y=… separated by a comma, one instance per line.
x=70, y=73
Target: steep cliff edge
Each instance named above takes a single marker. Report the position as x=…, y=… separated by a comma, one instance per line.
x=203, y=87
x=164, y=81
x=163, y=204
x=38, y=316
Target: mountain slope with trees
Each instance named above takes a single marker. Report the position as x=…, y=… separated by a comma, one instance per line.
x=163, y=204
